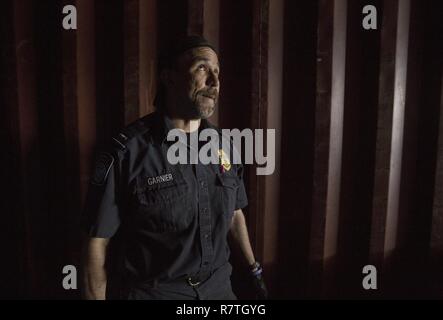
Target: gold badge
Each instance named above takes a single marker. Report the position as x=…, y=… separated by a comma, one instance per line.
x=224, y=160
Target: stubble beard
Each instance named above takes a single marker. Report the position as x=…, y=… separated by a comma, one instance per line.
x=202, y=110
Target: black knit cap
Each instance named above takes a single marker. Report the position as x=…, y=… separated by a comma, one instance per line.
x=169, y=55
x=191, y=42
x=173, y=51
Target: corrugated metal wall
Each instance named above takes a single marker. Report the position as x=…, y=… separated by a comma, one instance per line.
x=357, y=113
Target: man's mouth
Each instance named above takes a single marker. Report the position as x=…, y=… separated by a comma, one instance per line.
x=210, y=96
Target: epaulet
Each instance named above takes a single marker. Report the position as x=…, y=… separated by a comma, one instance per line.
x=124, y=136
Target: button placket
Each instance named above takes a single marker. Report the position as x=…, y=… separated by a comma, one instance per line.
x=204, y=221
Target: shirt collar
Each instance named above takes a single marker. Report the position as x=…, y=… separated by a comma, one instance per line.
x=163, y=124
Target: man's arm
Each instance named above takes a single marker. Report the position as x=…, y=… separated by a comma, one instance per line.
x=239, y=233
x=94, y=273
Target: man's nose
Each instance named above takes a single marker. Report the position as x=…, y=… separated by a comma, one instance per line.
x=212, y=79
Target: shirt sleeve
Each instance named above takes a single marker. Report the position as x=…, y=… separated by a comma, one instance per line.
x=242, y=198
x=101, y=214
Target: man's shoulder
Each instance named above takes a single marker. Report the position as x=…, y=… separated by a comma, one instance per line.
x=141, y=128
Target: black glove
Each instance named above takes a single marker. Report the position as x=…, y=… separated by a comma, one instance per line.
x=258, y=281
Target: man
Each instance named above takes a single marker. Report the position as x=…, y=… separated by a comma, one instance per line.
x=168, y=223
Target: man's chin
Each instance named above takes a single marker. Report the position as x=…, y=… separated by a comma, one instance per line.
x=197, y=111
x=206, y=111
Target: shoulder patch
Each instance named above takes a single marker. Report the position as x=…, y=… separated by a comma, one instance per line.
x=102, y=167
x=128, y=133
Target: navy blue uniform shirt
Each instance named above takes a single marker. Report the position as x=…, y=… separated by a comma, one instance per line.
x=171, y=221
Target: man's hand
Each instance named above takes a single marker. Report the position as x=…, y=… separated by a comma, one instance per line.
x=240, y=235
x=258, y=281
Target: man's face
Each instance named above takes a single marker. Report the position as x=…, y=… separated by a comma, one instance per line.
x=196, y=83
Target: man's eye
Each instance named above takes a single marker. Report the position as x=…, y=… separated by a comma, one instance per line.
x=201, y=67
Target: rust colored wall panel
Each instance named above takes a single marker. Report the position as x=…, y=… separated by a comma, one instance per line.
x=407, y=256
x=235, y=55
x=148, y=55
x=335, y=142
x=131, y=59
x=86, y=93
x=18, y=129
x=361, y=91
x=426, y=227
x=196, y=16
x=109, y=64
x=436, y=241
x=322, y=129
x=401, y=57
x=258, y=116
x=298, y=122
x=211, y=21
x=273, y=121
x=235, y=51
x=69, y=221
x=51, y=184
x=211, y=31
x=172, y=22
x=384, y=129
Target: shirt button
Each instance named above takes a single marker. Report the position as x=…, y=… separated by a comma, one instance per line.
x=206, y=236
x=203, y=184
x=204, y=210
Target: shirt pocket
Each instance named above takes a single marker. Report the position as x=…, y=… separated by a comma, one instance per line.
x=162, y=207
x=228, y=185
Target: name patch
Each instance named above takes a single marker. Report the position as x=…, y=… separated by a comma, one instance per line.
x=160, y=179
